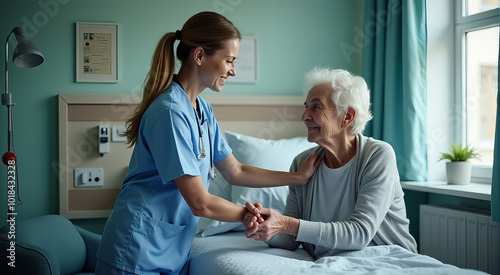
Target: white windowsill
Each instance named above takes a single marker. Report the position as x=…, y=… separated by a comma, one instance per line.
x=478, y=191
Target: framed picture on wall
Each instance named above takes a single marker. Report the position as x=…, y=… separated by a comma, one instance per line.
x=246, y=64
x=96, y=52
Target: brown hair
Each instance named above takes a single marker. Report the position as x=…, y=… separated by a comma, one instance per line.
x=208, y=30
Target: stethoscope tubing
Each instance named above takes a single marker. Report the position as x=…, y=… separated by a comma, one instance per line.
x=203, y=154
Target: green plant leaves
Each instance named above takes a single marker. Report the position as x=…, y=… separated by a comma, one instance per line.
x=459, y=153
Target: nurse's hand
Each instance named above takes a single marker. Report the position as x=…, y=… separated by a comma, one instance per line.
x=275, y=223
x=272, y=223
x=252, y=218
x=307, y=167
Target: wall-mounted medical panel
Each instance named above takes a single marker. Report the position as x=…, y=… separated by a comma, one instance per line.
x=91, y=166
x=270, y=117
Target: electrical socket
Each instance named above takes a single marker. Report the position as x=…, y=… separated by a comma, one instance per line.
x=88, y=177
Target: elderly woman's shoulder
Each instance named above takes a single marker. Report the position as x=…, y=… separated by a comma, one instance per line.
x=302, y=156
x=377, y=146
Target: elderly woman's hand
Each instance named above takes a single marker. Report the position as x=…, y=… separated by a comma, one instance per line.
x=308, y=166
x=274, y=223
x=267, y=223
x=252, y=218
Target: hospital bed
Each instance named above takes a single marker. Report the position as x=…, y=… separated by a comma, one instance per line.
x=232, y=253
x=222, y=248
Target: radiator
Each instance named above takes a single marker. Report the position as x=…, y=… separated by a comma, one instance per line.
x=462, y=238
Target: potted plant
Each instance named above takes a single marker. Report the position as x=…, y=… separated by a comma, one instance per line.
x=458, y=169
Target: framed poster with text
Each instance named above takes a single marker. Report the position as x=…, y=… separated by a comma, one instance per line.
x=96, y=52
x=246, y=64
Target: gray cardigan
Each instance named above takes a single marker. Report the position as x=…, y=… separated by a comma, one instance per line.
x=378, y=216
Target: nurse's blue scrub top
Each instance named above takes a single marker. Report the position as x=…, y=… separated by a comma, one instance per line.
x=151, y=228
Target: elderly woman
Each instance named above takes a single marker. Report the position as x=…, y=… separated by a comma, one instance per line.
x=354, y=198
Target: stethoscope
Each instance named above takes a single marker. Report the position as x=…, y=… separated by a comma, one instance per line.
x=203, y=154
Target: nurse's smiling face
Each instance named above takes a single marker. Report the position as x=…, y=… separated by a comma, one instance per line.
x=217, y=68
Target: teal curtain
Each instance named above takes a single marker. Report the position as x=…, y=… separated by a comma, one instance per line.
x=495, y=181
x=394, y=67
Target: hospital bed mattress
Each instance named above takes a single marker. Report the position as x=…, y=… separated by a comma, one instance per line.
x=232, y=253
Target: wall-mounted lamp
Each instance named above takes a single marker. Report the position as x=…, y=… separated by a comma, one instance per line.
x=25, y=55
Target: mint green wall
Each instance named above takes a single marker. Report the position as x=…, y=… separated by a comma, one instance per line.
x=293, y=36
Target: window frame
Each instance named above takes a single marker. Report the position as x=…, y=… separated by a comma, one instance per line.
x=464, y=24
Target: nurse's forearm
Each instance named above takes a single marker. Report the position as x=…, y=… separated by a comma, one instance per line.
x=240, y=174
x=220, y=209
x=251, y=176
x=204, y=204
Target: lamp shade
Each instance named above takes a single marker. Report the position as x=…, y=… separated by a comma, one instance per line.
x=25, y=55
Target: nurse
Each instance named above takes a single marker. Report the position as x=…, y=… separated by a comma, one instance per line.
x=177, y=145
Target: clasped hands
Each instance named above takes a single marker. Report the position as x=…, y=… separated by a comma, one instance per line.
x=262, y=223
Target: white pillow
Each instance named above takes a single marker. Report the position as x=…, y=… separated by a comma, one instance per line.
x=263, y=153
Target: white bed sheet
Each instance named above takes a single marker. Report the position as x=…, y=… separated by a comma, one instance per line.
x=232, y=253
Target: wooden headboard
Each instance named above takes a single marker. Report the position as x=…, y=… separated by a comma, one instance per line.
x=269, y=117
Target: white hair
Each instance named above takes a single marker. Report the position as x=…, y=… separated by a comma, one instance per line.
x=348, y=91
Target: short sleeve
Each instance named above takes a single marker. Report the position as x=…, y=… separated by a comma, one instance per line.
x=170, y=142
x=220, y=147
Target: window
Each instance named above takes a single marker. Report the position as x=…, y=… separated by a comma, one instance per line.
x=481, y=90
x=478, y=6
x=477, y=39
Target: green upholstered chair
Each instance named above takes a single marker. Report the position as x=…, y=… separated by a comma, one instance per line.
x=49, y=244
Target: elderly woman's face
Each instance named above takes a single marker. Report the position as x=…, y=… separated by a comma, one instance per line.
x=320, y=116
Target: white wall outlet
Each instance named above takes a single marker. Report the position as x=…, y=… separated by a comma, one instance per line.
x=115, y=134
x=88, y=177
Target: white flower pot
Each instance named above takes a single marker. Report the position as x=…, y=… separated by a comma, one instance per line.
x=458, y=172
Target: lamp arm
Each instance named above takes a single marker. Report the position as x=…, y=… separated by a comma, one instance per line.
x=6, y=61
x=6, y=97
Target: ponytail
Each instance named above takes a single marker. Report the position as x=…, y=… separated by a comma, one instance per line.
x=205, y=29
x=159, y=77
